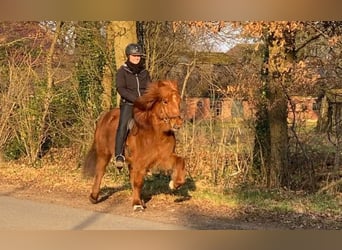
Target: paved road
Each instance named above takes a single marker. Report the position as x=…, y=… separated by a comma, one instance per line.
x=16, y=214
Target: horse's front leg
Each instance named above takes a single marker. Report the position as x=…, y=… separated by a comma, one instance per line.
x=178, y=172
x=137, y=181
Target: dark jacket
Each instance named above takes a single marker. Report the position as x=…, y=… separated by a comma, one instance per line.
x=130, y=86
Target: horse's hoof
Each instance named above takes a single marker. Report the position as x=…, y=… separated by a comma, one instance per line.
x=138, y=208
x=172, y=185
x=92, y=199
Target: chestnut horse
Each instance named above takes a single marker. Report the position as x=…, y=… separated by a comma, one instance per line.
x=150, y=142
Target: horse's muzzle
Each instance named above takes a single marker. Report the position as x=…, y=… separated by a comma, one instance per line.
x=176, y=123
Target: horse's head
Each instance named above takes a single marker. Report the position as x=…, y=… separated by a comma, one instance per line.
x=162, y=101
x=167, y=108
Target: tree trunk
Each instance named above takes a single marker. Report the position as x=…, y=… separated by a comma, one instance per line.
x=262, y=151
x=271, y=139
x=122, y=33
x=107, y=82
x=323, y=119
x=277, y=114
x=279, y=59
x=107, y=79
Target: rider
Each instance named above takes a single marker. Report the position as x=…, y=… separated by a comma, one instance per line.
x=132, y=79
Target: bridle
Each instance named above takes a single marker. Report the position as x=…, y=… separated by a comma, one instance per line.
x=167, y=118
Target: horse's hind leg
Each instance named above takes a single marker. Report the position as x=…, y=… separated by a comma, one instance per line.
x=100, y=170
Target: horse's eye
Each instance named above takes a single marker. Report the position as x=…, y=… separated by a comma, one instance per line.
x=165, y=102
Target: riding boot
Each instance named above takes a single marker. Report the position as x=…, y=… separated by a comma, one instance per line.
x=126, y=113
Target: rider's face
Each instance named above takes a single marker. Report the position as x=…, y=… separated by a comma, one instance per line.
x=134, y=59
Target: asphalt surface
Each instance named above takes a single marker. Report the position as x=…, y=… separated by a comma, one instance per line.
x=17, y=214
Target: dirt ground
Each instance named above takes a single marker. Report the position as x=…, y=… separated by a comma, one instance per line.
x=176, y=208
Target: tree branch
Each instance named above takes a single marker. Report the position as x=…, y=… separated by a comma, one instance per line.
x=307, y=42
x=330, y=185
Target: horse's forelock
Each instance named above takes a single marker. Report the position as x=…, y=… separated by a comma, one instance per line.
x=169, y=84
x=155, y=92
x=167, y=88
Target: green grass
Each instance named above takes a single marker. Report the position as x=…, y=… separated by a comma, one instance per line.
x=275, y=200
x=324, y=203
x=217, y=198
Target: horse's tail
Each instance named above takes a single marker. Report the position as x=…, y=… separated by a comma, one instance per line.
x=89, y=165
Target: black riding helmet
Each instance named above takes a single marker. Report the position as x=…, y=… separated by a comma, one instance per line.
x=134, y=49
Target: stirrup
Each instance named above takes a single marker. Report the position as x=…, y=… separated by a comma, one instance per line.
x=120, y=163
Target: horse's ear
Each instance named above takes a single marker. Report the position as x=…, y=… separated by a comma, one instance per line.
x=174, y=84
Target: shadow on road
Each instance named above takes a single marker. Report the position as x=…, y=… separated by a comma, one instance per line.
x=153, y=185
x=107, y=192
x=159, y=184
